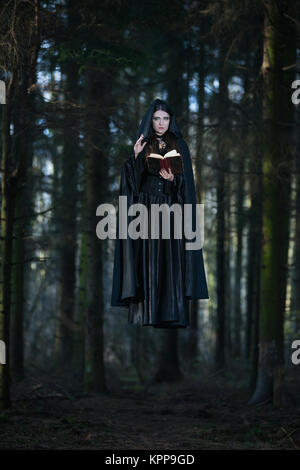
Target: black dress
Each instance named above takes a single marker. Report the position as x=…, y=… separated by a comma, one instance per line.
x=156, y=278
x=161, y=300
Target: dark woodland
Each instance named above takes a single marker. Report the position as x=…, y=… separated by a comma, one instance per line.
x=76, y=79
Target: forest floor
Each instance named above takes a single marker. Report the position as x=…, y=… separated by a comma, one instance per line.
x=209, y=412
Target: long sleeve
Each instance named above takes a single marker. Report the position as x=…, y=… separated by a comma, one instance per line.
x=139, y=165
x=124, y=270
x=178, y=187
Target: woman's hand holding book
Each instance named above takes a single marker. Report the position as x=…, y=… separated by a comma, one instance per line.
x=168, y=175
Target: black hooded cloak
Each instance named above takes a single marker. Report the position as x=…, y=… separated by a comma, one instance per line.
x=153, y=278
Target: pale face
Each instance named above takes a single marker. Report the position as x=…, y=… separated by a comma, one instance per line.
x=160, y=121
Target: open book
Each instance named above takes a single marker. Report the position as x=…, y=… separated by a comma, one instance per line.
x=171, y=159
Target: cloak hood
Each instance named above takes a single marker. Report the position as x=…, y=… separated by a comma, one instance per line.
x=145, y=126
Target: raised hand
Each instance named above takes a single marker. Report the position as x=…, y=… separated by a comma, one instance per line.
x=168, y=175
x=138, y=147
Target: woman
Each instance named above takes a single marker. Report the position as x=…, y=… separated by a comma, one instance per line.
x=155, y=278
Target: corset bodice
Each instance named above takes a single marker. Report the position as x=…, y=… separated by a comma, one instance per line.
x=156, y=184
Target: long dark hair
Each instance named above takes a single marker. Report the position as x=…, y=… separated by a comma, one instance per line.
x=169, y=137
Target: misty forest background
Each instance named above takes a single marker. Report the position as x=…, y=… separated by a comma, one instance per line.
x=79, y=76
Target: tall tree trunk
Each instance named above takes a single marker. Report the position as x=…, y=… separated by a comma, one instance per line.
x=240, y=221
x=14, y=166
x=237, y=317
x=168, y=370
x=279, y=51
x=254, y=236
x=194, y=329
x=254, y=263
x=68, y=213
x=295, y=272
x=228, y=254
x=23, y=149
x=21, y=146
x=78, y=358
x=7, y=214
x=96, y=170
x=138, y=353
x=220, y=359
